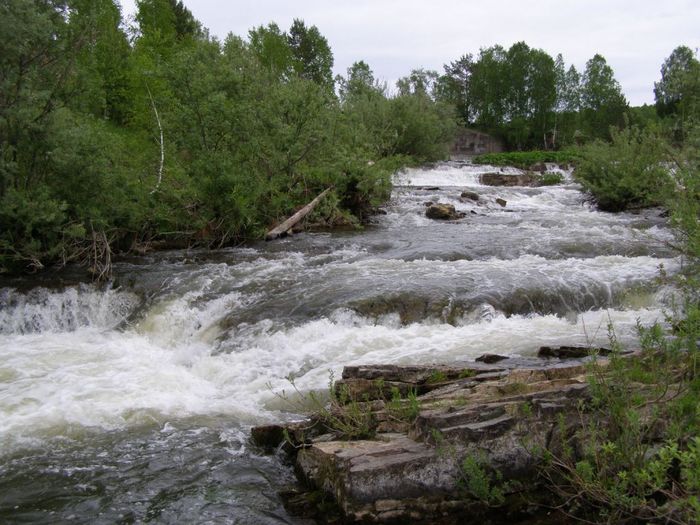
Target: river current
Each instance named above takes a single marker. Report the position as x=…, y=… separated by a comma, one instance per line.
x=133, y=402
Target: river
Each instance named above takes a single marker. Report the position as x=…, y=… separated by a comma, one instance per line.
x=133, y=402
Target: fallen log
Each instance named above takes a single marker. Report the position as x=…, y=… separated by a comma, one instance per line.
x=287, y=225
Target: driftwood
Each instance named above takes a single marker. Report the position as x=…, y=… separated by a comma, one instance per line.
x=287, y=225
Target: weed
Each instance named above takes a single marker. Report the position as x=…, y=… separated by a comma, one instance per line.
x=636, y=455
x=438, y=376
x=467, y=372
x=403, y=409
x=342, y=415
x=525, y=159
x=479, y=484
x=550, y=179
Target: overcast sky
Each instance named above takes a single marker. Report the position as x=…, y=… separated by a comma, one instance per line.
x=395, y=36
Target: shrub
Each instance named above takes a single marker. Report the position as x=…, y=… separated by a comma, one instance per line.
x=550, y=179
x=629, y=172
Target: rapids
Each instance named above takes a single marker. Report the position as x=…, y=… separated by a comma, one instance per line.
x=133, y=402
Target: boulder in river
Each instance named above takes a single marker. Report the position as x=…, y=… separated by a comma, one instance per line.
x=540, y=167
x=501, y=202
x=444, y=212
x=471, y=195
x=490, y=358
x=504, y=179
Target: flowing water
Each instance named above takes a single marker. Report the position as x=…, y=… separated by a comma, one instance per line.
x=134, y=403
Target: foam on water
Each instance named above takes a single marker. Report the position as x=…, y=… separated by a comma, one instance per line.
x=65, y=383
x=462, y=174
x=448, y=175
x=44, y=310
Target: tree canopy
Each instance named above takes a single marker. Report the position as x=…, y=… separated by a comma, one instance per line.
x=114, y=141
x=531, y=99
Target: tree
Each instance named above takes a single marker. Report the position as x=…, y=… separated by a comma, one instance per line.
x=36, y=59
x=568, y=101
x=677, y=94
x=419, y=82
x=602, y=101
x=454, y=86
x=312, y=56
x=542, y=94
x=102, y=73
x=489, y=88
x=271, y=47
x=359, y=82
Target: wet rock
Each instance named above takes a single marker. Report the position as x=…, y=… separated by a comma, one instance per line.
x=428, y=203
x=411, y=471
x=539, y=167
x=444, y=212
x=410, y=308
x=501, y=202
x=286, y=436
x=268, y=436
x=471, y=195
x=429, y=188
x=490, y=358
x=503, y=179
x=568, y=352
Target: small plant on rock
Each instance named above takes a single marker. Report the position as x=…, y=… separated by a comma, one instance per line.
x=479, y=483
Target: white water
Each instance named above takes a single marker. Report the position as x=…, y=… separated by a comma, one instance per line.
x=133, y=404
x=64, y=383
x=219, y=338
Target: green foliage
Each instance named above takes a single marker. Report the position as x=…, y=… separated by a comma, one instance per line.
x=684, y=204
x=629, y=172
x=422, y=128
x=525, y=159
x=403, y=409
x=602, y=102
x=33, y=226
x=340, y=413
x=168, y=135
x=677, y=94
x=438, y=376
x=637, y=454
x=479, y=483
x=311, y=54
x=550, y=179
x=530, y=99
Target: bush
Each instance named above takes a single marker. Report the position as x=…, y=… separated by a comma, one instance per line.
x=630, y=172
x=550, y=179
x=636, y=456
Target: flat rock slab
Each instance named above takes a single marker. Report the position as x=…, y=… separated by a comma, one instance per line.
x=410, y=471
x=380, y=479
x=503, y=179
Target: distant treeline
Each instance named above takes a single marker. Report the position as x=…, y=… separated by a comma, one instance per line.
x=533, y=100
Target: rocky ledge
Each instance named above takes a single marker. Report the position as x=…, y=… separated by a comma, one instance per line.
x=435, y=444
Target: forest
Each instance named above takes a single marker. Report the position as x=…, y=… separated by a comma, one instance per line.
x=123, y=136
